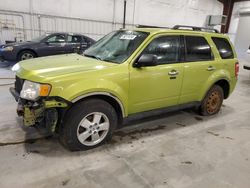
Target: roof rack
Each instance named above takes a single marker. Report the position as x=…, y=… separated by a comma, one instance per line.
x=194, y=28
x=150, y=26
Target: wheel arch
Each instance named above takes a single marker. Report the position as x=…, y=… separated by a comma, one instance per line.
x=26, y=49
x=224, y=84
x=108, y=97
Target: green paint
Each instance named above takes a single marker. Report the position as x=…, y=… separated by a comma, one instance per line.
x=138, y=89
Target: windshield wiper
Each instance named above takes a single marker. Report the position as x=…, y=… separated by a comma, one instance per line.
x=110, y=61
x=98, y=58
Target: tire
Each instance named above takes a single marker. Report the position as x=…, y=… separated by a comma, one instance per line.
x=88, y=124
x=26, y=54
x=212, y=102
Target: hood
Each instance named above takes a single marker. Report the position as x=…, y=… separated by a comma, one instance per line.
x=59, y=65
x=18, y=44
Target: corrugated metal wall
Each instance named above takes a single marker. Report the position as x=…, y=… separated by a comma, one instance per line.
x=12, y=26
x=27, y=19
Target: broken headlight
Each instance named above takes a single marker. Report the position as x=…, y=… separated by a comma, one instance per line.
x=33, y=90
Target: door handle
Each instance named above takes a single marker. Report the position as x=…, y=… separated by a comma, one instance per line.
x=211, y=68
x=173, y=73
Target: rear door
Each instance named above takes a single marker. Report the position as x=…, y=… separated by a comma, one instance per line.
x=157, y=86
x=198, y=64
x=74, y=43
x=86, y=42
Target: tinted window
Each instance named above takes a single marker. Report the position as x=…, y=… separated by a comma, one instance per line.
x=197, y=49
x=165, y=48
x=223, y=47
x=74, y=38
x=89, y=40
x=56, y=38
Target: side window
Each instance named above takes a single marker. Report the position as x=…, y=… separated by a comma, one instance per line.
x=165, y=48
x=74, y=38
x=197, y=49
x=224, y=48
x=56, y=39
x=86, y=39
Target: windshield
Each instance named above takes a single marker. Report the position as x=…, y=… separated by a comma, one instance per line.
x=38, y=39
x=117, y=46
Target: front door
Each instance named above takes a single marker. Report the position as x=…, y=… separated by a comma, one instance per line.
x=53, y=45
x=157, y=86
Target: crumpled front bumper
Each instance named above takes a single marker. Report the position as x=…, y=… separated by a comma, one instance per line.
x=35, y=112
x=20, y=107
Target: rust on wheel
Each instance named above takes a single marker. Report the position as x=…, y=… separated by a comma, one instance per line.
x=213, y=102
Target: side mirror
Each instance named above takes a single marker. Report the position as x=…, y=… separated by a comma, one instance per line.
x=146, y=60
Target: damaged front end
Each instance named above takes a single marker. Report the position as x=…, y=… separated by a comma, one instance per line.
x=43, y=111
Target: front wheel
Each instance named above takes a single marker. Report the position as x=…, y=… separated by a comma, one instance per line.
x=212, y=102
x=88, y=124
x=24, y=55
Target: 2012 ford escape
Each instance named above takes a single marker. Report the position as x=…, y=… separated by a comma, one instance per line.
x=127, y=72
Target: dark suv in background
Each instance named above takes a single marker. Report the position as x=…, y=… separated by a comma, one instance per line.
x=48, y=44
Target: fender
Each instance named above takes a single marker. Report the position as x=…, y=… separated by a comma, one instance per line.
x=104, y=94
x=215, y=77
x=90, y=87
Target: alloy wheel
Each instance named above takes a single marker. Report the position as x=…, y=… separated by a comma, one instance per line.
x=93, y=128
x=26, y=56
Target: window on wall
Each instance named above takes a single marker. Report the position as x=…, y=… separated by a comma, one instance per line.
x=223, y=47
x=197, y=49
x=166, y=49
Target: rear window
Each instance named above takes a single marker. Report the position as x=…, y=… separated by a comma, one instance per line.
x=197, y=49
x=224, y=48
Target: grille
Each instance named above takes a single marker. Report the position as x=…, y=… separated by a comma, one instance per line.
x=18, y=84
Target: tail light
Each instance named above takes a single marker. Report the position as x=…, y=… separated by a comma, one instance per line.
x=236, y=69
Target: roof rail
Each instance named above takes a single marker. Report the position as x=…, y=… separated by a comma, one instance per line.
x=195, y=28
x=150, y=26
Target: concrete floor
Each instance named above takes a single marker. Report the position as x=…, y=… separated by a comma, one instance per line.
x=179, y=149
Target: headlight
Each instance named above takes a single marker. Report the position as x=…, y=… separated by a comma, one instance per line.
x=16, y=67
x=8, y=48
x=32, y=90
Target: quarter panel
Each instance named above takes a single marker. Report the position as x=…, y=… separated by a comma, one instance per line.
x=213, y=78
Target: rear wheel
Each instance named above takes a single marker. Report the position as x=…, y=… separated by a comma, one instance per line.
x=88, y=124
x=211, y=104
x=27, y=54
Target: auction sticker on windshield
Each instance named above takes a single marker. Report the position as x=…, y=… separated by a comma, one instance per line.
x=127, y=37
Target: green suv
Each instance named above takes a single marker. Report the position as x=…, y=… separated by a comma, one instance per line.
x=127, y=73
